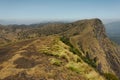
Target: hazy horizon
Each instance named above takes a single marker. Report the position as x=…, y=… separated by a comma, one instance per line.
x=28, y=22
x=35, y=11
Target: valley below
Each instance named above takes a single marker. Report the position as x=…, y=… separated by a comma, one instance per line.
x=113, y=31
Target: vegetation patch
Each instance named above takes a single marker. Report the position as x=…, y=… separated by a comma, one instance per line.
x=76, y=51
x=89, y=61
x=66, y=41
x=55, y=62
x=72, y=48
x=50, y=53
x=74, y=67
x=110, y=76
x=58, y=49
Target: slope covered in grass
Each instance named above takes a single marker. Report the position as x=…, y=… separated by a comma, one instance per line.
x=44, y=58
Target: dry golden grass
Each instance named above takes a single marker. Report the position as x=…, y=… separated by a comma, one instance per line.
x=9, y=67
x=53, y=60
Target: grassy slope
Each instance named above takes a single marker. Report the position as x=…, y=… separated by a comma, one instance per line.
x=43, y=58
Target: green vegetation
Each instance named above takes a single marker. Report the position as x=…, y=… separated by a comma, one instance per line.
x=66, y=41
x=49, y=54
x=73, y=66
x=55, y=62
x=110, y=76
x=90, y=61
x=72, y=48
x=76, y=51
x=58, y=49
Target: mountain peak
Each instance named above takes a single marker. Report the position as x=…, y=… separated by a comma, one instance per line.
x=87, y=39
x=89, y=20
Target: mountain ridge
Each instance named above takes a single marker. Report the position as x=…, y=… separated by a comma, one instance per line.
x=87, y=39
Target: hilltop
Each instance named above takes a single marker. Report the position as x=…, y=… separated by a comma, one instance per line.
x=79, y=50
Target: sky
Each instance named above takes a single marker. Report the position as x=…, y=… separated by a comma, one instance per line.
x=31, y=11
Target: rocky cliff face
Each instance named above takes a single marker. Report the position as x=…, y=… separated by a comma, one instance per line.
x=87, y=38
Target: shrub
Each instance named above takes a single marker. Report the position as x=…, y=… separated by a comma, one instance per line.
x=66, y=41
x=72, y=48
x=89, y=61
x=110, y=76
x=76, y=51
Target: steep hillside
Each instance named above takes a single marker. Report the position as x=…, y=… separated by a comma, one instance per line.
x=80, y=48
x=95, y=44
x=45, y=58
